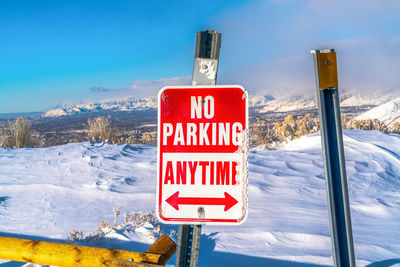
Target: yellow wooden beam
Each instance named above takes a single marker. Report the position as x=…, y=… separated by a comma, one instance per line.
x=58, y=254
x=164, y=246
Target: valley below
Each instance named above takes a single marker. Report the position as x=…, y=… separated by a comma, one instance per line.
x=59, y=130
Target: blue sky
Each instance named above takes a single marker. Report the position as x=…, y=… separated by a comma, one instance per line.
x=54, y=52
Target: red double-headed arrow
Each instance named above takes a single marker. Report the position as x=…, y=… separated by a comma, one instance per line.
x=228, y=201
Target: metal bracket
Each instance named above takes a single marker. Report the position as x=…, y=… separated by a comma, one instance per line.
x=204, y=71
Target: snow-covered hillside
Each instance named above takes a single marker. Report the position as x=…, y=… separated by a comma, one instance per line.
x=387, y=113
x=47, y=192
x=360, y=98
x=285, y=103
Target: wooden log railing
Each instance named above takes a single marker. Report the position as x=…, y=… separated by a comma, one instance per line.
x=59, y=254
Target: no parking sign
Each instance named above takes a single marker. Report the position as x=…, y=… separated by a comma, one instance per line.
x=202, y=155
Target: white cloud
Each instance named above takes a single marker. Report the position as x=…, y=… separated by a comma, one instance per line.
x=266, y=47
x=144, y=88
x=270, y=52
x=137, y=89
x=365, y=65
x=280, y=77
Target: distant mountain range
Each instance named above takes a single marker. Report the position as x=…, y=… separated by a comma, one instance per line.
x=119, y=104
x=259, y=103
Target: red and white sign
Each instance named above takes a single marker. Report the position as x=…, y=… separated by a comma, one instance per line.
x=202, y=154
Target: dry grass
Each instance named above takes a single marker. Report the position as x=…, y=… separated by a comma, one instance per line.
x=292, y=127
x=131, y=222
x=19, y=133
x=100, y=129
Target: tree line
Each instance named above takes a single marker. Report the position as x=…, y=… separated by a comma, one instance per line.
x=293, y=126
x=19, y=133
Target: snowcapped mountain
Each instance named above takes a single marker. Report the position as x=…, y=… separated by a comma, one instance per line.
x=387, y=113
x=261, y=103
x=118, y=104
x=268, y=103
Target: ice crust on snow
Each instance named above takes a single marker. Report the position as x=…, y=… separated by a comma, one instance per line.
x=47, y=192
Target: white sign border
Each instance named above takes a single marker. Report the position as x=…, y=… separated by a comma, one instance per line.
x=246, y=204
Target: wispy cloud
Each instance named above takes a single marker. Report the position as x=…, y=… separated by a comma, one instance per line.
x=99, y=89
x=143, y=88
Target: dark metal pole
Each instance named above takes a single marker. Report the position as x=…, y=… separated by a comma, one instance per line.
x=333, y=152
x=205, y=68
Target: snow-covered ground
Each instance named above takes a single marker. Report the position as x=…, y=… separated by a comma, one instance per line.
x=47, y=192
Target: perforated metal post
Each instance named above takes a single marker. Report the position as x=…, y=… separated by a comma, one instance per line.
x=333, y=153
x=208, y=44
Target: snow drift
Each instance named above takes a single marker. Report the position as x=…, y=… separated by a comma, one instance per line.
x=47, y=192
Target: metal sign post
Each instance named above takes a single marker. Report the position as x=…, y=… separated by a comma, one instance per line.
x=202, y=152
x=333, y=151
x=208, y=44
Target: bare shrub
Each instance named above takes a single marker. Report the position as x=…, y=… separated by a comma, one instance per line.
x=286, y=130
x=292, y=127
x=104, y=225
x=100, y=129
x=269, y=134
x=150, y=138
x=261, y=133
x=132, y=221
x=344, y=120
x=394, y=128
x=19, y=133
x=117, y=212
x=128, y=140
x=75, y=235
x=295, y=126
x=4, y=135
x=370, y=124
x=306, y=124
x=139, y=219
